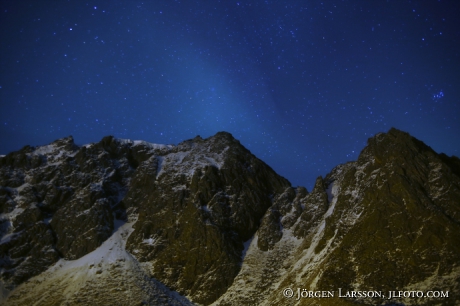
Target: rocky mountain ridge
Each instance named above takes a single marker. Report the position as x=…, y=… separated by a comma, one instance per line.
x=125, y=222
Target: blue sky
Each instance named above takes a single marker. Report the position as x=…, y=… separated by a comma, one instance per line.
x=302, y=85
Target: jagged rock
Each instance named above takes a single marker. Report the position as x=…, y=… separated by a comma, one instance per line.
x=315, y=205
x=120, y=221
x=388, y=220
x=203, y=200
x=269, y=231
x=403, y=205
x=27, y=253
x=46, y=193
x=195, y=204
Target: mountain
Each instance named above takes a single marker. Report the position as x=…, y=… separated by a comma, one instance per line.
x=124, y=222
x=386, y=222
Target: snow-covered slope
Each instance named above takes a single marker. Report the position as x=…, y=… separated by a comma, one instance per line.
x=61, y=206
x=109, y=275
x=374, y=224
x=124, y=222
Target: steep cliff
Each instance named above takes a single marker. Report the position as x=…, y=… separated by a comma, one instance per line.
x=386, y=222
x=206, y=222
x=194, y=206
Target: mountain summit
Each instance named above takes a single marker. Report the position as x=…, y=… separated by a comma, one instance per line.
x=124, y=222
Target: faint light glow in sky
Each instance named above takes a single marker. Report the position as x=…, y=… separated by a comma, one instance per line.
x=302, y=85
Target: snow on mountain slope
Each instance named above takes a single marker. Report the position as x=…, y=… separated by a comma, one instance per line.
x=85, y=280
x=124, y=222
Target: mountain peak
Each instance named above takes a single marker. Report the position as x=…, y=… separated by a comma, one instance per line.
x=209, y=220
x=394, y=144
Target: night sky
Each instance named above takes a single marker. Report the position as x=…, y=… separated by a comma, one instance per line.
x=302, y=84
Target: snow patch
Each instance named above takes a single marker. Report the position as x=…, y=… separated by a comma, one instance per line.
x=22, y=187
x=332, y=193
x=13, y=214
x=45, y=150
x=159, y=165
x=289, y=236
x=154, y=146
x=246, y=245
x=108, y=252
x=205, y=208
x=7, y=238
x=311, y=260
x=134, y=143
x=150, y=241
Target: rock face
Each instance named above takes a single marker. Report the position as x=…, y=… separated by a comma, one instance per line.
x=206, y=222
x=195, y=205
x=389, y=220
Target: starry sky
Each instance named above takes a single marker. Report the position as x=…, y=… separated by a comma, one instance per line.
x=302, y=84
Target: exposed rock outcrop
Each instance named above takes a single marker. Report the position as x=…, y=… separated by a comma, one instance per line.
x=195, y=205
x=206, y=222
x=388, y=221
